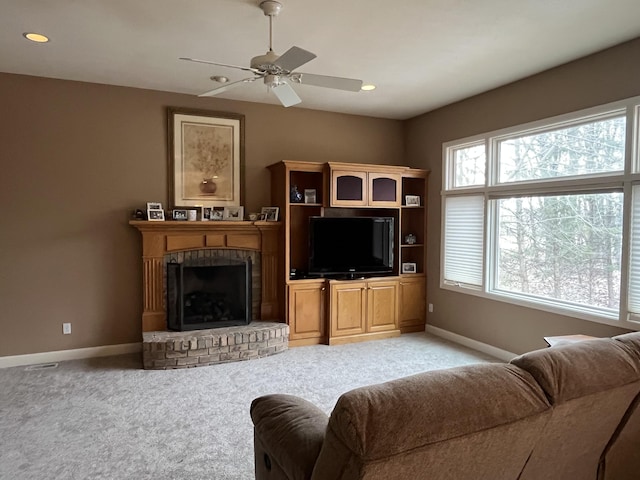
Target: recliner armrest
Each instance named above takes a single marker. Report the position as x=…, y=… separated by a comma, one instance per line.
x=290, y=430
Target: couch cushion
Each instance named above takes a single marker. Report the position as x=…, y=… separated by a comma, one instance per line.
x=591, y=385
x=479, y=421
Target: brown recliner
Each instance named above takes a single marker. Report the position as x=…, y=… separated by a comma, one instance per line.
x=567, y=412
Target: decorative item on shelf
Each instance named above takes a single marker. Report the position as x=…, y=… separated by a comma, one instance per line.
x=138, y=214
x=412, y=200
x=192, y=215
x=155, y=213
x=217, y=213
x=310, y=195
x=235, y=214
x=254, y=216
x=270, y=213
x=410, y=239
x=206, y=214
x=295, y=196
x=179, y=214
x=408, y=267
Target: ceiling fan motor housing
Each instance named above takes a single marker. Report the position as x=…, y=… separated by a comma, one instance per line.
x=266, y=63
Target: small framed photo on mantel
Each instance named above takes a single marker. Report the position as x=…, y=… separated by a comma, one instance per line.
x=235, y=214
x=270, y=214
x=155, y=213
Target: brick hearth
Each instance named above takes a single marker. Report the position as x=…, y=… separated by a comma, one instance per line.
x=164, y=350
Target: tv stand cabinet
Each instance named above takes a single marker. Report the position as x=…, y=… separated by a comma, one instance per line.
x=335, y=311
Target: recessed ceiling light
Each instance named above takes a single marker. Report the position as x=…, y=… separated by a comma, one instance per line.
x=36, y=37
x=367, y=87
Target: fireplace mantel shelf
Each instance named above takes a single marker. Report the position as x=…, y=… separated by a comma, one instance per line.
x=214, y=225
x=161, y=238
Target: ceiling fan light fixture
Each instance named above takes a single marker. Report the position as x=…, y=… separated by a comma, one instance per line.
x=367, y=87
x=220, y=78
x=36, y=37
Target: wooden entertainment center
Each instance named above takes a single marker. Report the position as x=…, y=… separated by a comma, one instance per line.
x=335, y=311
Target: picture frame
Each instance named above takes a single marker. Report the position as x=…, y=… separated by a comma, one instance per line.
x=154, y=206
x=235, y=214
x=206, y=214
x=179, y=214
x=206, y=158
x=155, y=215
x=310, y=195
x=217, y=214
x=409, y=267
x=270, y=213
x=412, y=200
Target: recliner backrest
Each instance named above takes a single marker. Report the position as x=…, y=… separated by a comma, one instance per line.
x=590, y=386
x=621, y=460
x=464, y=423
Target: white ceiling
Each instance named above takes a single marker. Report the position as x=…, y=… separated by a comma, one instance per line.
x=421, y=54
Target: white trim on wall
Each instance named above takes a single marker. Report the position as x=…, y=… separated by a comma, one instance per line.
x=76, y=354
x=503, y=355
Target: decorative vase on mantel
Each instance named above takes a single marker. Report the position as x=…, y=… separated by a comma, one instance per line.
x=208, y=186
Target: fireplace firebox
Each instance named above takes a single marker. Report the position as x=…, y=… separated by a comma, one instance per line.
x=208, y=296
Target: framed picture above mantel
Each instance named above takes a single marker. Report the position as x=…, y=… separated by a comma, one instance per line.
x=206, y=158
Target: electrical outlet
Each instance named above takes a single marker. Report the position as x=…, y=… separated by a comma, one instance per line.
x=431, y=308
x=66, y=328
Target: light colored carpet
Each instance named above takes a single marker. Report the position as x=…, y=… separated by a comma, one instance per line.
x=107, y=418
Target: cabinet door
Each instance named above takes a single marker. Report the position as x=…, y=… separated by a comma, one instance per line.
x=348, y=308
x=412, y=302
x=385, y=190
x=306, y=310
x=348, y=188
x=382, y=305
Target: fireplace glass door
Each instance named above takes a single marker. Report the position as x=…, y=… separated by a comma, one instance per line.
x=211, y=296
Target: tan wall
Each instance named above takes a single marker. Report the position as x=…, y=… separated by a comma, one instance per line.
x=77, y=158
x=607, y=76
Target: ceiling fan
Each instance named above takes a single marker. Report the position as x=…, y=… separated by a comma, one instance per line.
x=277, y=71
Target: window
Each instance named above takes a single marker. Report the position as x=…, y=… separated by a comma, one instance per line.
x=535, y=215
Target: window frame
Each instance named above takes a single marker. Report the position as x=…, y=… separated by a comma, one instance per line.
x=622, y=180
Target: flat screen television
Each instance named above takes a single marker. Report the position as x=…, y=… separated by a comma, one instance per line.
x=350, y=246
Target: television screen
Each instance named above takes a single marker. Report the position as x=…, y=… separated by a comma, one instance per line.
x=350, y=245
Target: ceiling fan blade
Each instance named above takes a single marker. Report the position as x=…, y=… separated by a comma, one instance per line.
x=339, y=83
x=286, y=94
x=248, y=69
x=226, y=86
x=293, y=58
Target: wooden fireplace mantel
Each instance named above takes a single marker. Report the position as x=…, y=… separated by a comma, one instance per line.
x=160, y=238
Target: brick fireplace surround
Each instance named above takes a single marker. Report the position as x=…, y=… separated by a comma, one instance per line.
x=163, y=349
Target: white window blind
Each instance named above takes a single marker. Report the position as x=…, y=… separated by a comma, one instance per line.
x=634, y=261
x=463, y=239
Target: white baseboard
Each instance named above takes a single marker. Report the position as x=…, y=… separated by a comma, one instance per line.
x=469, y=342
x=62, y=355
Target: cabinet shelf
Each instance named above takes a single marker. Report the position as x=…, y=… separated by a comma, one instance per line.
x=305, y=204
x=413, y=245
